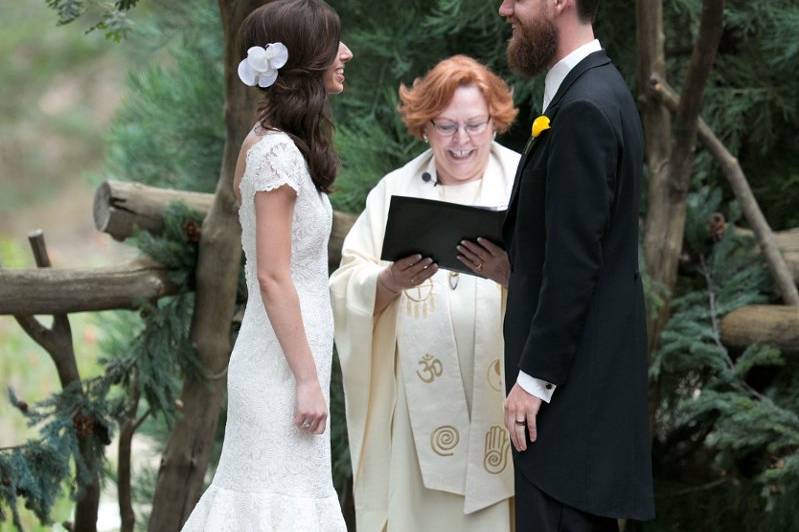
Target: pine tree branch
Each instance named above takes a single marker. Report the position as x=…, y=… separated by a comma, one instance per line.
x=738, y=383
x=711, y=296
x=701, y=487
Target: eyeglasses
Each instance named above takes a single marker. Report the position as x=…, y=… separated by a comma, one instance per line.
x=447, y=128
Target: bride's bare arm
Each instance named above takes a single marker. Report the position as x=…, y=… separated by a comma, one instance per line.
x=274, y=211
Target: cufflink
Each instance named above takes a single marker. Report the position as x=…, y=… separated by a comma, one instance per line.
x=548, y=386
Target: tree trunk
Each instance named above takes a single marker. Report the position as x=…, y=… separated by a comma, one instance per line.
x=777, y=265
x=57, y=341
x=68, y=290
x=657, y=133
x=666, y=225
x=128, y=425
x=762, y=324
x=144, y=207
x=650, y=38
x=185, y=459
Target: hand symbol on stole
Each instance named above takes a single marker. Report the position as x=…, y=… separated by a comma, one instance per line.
x=496, y=450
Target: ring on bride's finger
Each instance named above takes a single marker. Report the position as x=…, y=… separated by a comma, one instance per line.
x=479, y=267
x=306, y=425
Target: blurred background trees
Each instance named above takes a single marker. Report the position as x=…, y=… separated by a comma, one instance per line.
x=150, y=109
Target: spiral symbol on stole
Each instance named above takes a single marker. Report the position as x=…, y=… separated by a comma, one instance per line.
x=496, y=450
x=444, y=439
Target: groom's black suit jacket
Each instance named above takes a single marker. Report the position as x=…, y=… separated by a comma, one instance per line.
x=575, y=311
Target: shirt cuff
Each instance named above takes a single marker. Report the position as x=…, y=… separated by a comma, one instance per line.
x=537, y=387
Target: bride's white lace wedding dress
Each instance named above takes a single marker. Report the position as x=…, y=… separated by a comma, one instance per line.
x=273, y=476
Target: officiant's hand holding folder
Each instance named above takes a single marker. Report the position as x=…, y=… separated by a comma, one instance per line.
x=434, y=228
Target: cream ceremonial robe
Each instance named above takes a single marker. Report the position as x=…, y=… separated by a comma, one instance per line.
x=423, y=380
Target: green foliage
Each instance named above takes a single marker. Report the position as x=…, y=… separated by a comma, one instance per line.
x=752, y=100
x=365, y=150
x=396, y=44
x=165, y=340
x=37, y=470
x=175, y=248
x=147, y=359
x=112, y=19
x=713, y=404
x=170, y=130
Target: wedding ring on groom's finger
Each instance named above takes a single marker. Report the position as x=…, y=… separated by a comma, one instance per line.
x=521, y=422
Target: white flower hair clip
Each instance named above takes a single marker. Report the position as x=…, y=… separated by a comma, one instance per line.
x=261, y=64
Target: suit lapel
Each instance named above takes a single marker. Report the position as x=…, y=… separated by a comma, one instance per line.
x=526, y=155
x=593, y=60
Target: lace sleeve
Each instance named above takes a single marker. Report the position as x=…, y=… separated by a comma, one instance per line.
x=275, y=162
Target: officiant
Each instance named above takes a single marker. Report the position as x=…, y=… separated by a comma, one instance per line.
x=421, y=347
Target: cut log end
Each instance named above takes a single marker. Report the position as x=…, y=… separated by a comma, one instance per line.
x=101, y=210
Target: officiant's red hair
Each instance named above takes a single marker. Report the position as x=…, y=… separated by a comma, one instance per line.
x=431, y=94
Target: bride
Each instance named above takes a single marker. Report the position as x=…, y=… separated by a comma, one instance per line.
x=275, y=472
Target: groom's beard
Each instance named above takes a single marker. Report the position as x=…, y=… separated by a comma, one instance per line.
x=532, y=47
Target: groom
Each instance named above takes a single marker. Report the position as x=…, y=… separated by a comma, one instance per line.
x=575, y=338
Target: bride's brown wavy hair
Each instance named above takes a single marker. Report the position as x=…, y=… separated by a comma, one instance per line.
x=297, y=103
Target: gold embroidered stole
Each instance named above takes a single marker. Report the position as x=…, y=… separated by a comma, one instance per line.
x=457, y=454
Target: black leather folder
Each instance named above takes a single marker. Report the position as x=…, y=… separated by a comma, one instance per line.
x=433, y=229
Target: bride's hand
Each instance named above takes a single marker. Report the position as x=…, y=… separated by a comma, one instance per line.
x=311, y=409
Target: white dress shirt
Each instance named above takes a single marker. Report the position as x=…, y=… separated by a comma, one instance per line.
x=538, y=387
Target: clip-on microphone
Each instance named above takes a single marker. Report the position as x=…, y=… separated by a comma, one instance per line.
x=426, y=177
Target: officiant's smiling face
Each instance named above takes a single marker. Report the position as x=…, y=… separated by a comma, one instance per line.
x=460, y=136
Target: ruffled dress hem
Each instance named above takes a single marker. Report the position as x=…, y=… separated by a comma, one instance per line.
x=222, y=509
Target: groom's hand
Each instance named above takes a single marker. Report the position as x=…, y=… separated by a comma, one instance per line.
x=521, y=409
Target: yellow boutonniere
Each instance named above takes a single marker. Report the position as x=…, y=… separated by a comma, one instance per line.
x=540, y=125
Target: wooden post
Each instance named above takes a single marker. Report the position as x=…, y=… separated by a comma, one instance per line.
x=57, y=341
x=762, y=324
x=121, y=207
x=68, y=290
